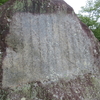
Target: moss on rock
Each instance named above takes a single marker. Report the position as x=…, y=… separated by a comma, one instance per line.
x=80, y=88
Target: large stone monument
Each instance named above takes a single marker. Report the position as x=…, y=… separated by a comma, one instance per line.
x=47, y=53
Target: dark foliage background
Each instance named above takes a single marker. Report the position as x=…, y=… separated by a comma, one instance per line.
x=3, y=1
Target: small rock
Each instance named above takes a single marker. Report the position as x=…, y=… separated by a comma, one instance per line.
x=23, y=98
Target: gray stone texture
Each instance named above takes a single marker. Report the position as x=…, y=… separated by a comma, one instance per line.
x=47, y=46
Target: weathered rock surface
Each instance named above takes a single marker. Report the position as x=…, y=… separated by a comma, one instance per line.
x=46, y=53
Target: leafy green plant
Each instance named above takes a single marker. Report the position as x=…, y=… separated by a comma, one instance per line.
x=90, y=15
x=3, y=1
